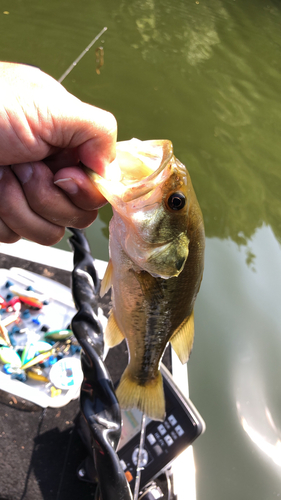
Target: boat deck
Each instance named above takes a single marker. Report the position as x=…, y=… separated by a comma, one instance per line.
x=40, y=448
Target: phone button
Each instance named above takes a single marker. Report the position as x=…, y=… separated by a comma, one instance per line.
x=158, y=450
x=129, y=476
x=169, y=440
x=161, y=429
x=123, y=464
x=179, y=430
x=174, y=435
x=172, y=420
x=143, y=458
x=151, y=439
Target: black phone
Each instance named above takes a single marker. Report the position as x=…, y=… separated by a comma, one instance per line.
x=164, y=441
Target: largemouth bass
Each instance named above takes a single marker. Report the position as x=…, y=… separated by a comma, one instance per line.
x=156, y=264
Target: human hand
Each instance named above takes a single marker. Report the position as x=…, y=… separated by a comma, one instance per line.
x=44, y=133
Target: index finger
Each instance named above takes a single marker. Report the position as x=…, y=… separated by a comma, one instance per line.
x=90, y=130
x=100, y=149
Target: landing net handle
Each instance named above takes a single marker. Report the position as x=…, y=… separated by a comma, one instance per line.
x=98, y=402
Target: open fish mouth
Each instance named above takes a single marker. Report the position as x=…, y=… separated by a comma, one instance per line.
x=135, y=172
x=146, y=161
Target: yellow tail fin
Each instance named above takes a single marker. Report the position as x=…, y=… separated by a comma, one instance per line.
x=148, y=398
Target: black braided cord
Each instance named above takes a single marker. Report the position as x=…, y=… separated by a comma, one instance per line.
x=98, y=402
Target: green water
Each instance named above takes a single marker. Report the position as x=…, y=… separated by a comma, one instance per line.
x=206, y=75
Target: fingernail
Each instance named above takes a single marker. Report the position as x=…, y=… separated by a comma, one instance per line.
x=68, y=185
x=23, y=171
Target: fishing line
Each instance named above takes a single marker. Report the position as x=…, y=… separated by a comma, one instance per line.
x=139, y=467
x=64, y=75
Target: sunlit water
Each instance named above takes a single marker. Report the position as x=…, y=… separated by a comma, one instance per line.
x=206, y=75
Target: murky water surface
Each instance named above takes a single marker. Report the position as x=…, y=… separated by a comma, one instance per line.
x=205, y=75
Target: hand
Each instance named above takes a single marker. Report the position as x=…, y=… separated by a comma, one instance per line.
x=44, y=133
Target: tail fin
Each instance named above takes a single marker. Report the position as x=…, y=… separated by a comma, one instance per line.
x=148, y=398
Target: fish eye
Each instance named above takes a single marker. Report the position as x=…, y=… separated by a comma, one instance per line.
x=176, y=201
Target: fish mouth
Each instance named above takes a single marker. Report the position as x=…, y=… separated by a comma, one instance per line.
x=140, y=165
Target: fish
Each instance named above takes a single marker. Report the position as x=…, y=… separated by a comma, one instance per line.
x=156, y=248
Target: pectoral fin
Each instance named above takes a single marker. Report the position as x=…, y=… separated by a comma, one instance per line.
x=182, y=339
x=112, y=334
x=107, y=279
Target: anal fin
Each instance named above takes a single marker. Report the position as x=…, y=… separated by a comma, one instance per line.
x=112, y=335
x=182, y=339
x=107, y=279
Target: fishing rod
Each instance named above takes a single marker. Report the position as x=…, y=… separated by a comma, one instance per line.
x=70, y=68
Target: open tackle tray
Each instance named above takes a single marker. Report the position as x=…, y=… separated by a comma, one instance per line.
x=32, y=327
